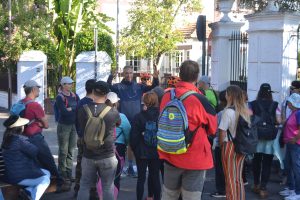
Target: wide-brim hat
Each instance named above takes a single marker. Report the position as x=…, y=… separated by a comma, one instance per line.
x=294, y=99
x=15, y=121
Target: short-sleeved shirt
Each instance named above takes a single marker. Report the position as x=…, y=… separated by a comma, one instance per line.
x=292, y=127
x=228, y=122
x=33, y=111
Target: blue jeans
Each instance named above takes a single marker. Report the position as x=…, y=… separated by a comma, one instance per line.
x=37, y=186
x=106, y=170
x=292, y=160
x=44, y=156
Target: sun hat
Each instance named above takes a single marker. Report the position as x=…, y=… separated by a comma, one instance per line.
x=294, y=99
x=31, y=83
x=112, y=97
x=15, y=121
x=66, y=80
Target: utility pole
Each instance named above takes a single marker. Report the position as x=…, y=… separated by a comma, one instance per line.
x=118, y=37
x=9, y=92
x=96, y=50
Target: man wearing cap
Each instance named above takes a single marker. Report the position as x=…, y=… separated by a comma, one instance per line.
x=35, y=113
x=101, y=161
x=204, y=87
x=66, y=103
x=130, y=94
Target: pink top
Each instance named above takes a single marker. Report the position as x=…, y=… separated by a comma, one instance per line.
x=292, y=127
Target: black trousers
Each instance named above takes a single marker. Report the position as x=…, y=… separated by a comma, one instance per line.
x=262, y=164
x=121, y=149
x=153, y=167
x=219, y=173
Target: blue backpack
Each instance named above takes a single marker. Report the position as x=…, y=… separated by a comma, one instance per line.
x=19, y=108
x=173, y=133
x=150, y=134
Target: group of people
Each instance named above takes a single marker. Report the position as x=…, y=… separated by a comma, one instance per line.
x=113, y=119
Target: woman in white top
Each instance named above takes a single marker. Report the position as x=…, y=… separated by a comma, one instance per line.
x=232, y=161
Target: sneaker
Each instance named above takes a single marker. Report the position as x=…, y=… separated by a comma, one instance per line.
x=218, y=195
x=286, y=192
x=293, y=197
x=246, y=183
x=263, y=194
x=256, y=189
x=131, y=173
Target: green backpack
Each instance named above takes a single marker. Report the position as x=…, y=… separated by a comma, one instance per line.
x=95, y=128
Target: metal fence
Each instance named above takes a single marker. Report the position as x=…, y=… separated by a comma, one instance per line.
x=239, y=59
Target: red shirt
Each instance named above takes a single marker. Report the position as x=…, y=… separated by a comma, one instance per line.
x=34, y=111
x=198, y=155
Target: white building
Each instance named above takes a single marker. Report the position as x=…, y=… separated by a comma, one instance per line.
x=190, y=48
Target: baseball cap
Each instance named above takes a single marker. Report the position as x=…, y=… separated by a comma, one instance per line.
x=266, y=87
x=66, y=80
x=15, y=121
x=113, y=97
x=205, y=79
x=31, y=83
x=294, y=99
x=101, y=87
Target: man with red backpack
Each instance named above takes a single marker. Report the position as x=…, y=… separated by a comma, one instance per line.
x=188, y=156
x=66, y=106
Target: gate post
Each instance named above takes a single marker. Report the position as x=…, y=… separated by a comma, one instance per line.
x=220, y=54
x=272, y=51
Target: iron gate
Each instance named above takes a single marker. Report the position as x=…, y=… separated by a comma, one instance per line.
x=239, y=59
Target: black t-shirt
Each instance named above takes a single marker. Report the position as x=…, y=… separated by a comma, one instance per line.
x=110, y=119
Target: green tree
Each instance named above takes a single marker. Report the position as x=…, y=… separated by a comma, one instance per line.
x=151, y=31
x=283, y=5
x=70, y=18
x=85, y=42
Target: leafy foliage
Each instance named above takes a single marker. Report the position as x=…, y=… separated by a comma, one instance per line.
x=151, y=32
x=259, y=5
x=85, y=42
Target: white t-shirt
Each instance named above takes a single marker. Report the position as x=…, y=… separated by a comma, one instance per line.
x=228, y=121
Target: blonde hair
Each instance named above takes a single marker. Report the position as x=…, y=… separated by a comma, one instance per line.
x=236, y=98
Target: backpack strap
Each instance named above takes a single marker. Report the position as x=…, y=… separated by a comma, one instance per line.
x=104, y=111
x=87, y=110
x=185, y=95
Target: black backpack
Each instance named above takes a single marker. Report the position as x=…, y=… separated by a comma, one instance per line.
x=266, y=127
x=246, y=139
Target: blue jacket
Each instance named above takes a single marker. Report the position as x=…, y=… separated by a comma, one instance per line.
x=67, y=117
x=130, y=94
x=81, y=103
x=123, y=131
x=20, y=160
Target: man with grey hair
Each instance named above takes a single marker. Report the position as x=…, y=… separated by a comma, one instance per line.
x=205, y=87
x=130, y=94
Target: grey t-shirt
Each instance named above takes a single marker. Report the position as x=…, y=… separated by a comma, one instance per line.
x=110, y=119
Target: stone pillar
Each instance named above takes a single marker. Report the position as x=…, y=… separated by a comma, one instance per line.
x=220, y=55
x=272, y=51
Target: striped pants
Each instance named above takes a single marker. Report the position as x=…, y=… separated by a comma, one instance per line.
x=233, y=168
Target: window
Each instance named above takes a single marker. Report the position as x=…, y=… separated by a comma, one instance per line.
x=134, y=61
x=188, y=55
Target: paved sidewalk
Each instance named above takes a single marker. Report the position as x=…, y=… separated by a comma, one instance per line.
x=128, y=184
